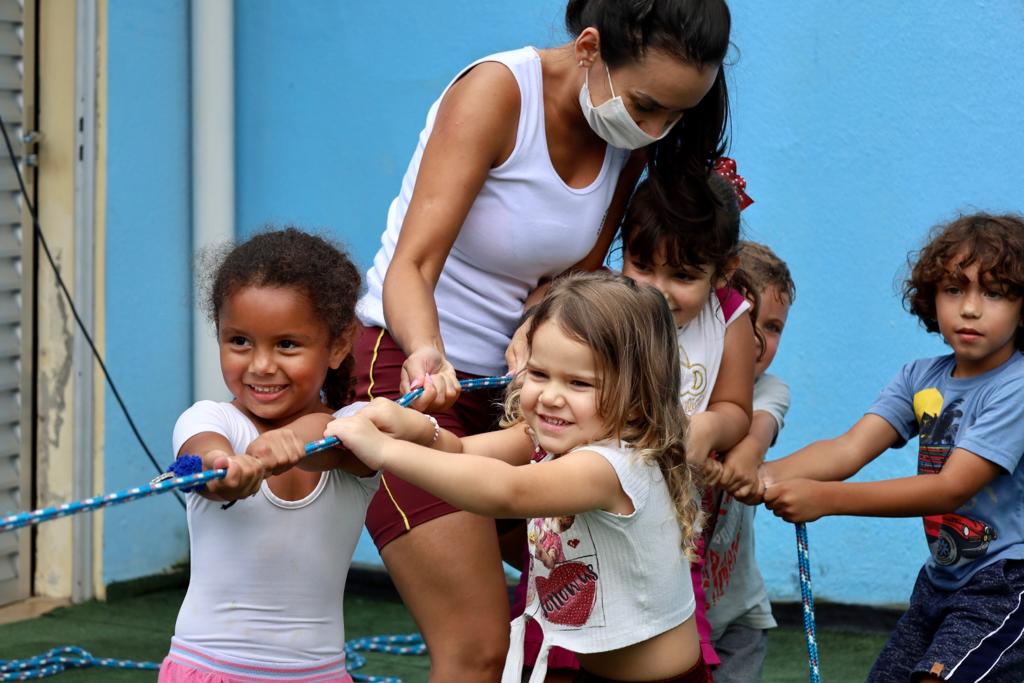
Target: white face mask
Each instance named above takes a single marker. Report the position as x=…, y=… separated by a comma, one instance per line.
x=612, y=122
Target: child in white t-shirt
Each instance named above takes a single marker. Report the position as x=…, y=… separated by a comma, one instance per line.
x=268, y=568
x=686, y=246
x=738, y=606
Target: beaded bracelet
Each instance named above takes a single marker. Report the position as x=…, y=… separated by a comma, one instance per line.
x=437, y=429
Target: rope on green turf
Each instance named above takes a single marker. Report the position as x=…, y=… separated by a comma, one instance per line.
x=803, y=558
x=60, y=659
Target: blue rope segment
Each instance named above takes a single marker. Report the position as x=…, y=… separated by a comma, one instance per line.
x=186, y=465
x=162, y=485
x=803, y=558
x=60, y=659
x=466, y=384
x=411, y=644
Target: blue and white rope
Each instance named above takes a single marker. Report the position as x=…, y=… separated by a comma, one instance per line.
x=22, y=519
x=411, y=644
x=60, y=659
x=803, y=558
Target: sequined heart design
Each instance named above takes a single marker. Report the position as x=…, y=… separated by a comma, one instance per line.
x=573, y=542
x=567, y=594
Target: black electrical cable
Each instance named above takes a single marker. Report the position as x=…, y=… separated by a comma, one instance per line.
x=74, y=311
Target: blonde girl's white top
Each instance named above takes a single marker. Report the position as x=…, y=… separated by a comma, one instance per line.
x=268, y=575
x=525, y=225
x=701, y=345
x=600, y=581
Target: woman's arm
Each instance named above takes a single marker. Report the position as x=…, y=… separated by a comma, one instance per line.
x=961, y=477
x=727, y=419
x=473, y=131
x=571, y=484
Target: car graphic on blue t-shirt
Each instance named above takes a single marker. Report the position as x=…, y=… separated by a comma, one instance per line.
x=952, y=537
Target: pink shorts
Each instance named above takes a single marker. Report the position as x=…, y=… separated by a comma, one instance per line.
x=701, y=609
x=193, y=664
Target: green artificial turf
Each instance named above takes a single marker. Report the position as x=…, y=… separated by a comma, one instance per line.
x=140, y=627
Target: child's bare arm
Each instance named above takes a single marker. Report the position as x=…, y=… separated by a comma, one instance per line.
x=410, y=425
x=838, y=458
x=740, y=465
x=309, y=428
x=962, y=476
x=489, y=486
x=727, y=419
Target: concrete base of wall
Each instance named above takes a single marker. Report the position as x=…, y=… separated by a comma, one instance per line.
x=839, y=617
x=30, y=609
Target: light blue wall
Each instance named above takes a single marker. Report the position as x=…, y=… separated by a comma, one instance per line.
x=148, y=276
x=330, y=100
x=857, y=127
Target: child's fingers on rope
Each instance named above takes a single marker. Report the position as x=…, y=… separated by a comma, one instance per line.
x=751, y=494
x=712, y=471
x=398, y=422
x=795, y=500
x=245, y=474
x=360, y=436
x=278, y=449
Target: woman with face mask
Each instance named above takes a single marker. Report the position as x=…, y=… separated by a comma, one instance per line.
x=522, y=172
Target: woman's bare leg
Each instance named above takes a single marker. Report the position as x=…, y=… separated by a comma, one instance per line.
x=449, y=574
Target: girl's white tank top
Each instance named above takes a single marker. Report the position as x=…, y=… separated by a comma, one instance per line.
x=525, y=225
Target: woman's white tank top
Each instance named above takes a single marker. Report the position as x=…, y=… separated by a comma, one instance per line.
x=525, y=225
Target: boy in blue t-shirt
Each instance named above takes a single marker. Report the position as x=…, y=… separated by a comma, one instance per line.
x=965, y=621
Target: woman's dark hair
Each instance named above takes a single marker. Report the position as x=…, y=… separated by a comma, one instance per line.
x=697, y=227
x=318, y=268
x=994, y=242
x=694, y=31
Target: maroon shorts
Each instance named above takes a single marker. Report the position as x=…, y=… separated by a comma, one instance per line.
x=699, y=673
x=399, y=506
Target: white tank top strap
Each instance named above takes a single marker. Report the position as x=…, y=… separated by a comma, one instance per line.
x=513, y=671
x=540, y=667
x=531, y=97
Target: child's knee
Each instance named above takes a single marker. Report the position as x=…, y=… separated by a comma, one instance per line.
x=474, y=659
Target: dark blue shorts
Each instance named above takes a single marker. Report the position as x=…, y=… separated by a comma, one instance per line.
x=974, y=633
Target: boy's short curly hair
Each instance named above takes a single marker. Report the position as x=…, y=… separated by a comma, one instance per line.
x=994, y=242
x=766, y=269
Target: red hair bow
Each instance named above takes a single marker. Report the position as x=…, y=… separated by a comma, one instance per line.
x=726, y=167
